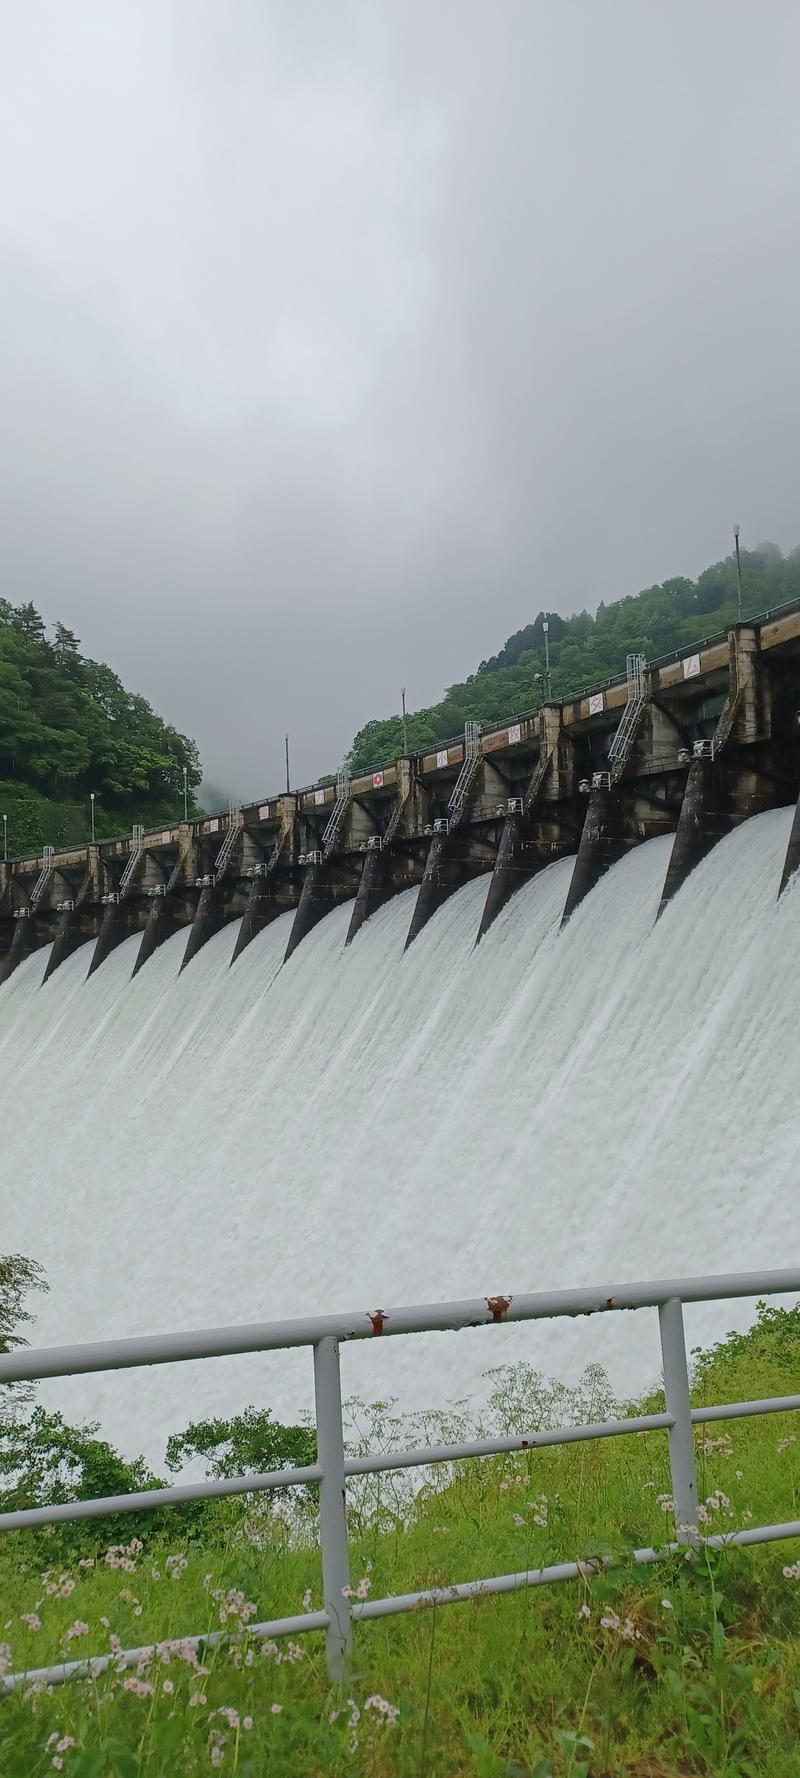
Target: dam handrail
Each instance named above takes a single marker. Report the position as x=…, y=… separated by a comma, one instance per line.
x=333, y=1468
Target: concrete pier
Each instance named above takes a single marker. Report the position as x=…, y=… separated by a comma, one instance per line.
x=262, y=908
x=210, y=917
x=378, y=885
x=77, y=925
x=607, y=834
x=453, y=859
x=792, y=860
x=120, y=920
x=706, y=815
x=521, y=855
x=167, y=914
x=25, y=937
x=325, y=885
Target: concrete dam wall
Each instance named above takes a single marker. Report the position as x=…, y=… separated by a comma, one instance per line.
x=687, y=747
x=604, y=1085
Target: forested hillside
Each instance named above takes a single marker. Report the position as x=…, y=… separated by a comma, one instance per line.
x=586, y=650
x=68, y=727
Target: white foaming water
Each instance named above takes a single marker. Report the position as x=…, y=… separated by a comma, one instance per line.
x=363, y=1128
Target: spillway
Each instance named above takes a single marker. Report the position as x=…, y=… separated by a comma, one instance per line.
x=362, y=1127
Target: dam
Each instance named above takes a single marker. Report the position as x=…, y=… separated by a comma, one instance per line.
x=279, y=1107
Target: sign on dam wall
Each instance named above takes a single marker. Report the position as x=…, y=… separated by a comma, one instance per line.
x=371, y=1124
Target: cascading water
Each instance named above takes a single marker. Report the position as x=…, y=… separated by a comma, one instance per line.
x=363, y=1127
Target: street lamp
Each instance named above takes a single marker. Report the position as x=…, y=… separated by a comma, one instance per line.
x=405, y=731
x=186, y=793
x=91, y=793
x=547, y=686
x=5, y=839
x=738, y=576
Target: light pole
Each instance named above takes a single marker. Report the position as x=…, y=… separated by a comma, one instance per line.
x=91, y=793
x=738, y=576
x=547, y=687
x=405, y=730
x=288, y=792
x=186, y=793
x=5, y=839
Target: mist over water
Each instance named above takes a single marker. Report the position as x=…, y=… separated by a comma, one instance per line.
x=364, y=1128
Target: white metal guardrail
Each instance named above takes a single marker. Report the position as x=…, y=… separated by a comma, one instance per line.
x=324, y=1334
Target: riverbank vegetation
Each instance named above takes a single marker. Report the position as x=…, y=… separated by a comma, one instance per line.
x=69, y=728
x=689, y=1666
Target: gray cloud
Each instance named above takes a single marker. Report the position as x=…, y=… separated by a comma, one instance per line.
x=335, y=339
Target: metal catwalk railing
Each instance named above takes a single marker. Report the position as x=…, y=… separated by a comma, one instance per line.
x=332, y=1469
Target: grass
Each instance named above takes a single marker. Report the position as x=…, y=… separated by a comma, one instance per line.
x=687, y=1667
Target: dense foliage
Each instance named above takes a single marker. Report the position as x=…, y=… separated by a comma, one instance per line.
x=68, y=728
x=586, y=650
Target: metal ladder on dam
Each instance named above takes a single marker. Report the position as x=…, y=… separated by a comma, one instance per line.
x=469, y=766
x=136, y=852
x=337, y=812
x=48, y=854
x=625, y=736
x=234, y=828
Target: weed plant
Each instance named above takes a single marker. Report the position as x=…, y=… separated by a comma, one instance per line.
x=688, y=1666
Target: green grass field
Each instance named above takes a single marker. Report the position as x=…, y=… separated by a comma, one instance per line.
x=688, y=1666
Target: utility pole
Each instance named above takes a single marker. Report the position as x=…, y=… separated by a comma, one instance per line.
x=547, y=686
x=405, y=730
x=91, y=793
x=738, y=577
x=287, y=766
x=5, y=839
x=186, y=793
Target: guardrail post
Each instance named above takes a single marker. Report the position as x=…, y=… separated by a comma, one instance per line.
x=332, y=1505
x=678, y=1404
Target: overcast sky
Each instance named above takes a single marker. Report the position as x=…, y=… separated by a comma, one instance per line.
x=337, y=337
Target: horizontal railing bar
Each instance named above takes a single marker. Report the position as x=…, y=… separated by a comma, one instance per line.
x=458, y=1593
x=150, y=1499
x=741, y=1410
x=560, y=1571
x=270, y=1336
x=93, y=1665
x=495, y=1447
